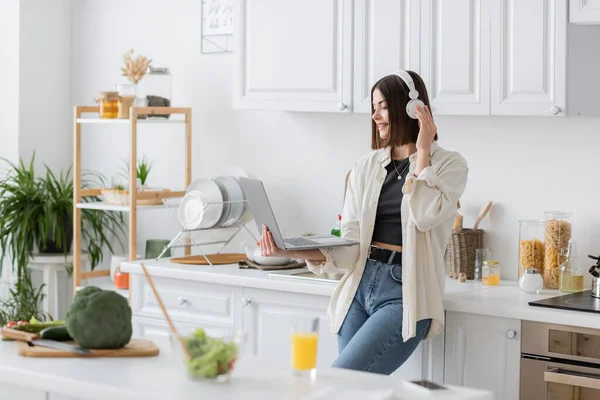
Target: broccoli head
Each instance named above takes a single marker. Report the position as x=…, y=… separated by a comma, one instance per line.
x=99, y=319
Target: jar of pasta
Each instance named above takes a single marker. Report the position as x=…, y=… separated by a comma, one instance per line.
x=531, y=245
x=557, y=236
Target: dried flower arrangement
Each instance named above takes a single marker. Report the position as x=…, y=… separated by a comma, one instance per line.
x=135, y=68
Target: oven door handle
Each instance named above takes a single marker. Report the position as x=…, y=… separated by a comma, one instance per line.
x=558, y=375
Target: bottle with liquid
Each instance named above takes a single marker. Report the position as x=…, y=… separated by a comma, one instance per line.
x=337, y=231
x=571, y=276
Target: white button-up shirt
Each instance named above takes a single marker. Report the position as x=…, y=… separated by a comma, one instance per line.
x=428, y=209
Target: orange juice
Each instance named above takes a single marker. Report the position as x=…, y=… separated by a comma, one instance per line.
x=304, y=350
x=493, y=279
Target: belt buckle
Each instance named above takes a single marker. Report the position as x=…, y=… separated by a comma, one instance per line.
x=371, y=249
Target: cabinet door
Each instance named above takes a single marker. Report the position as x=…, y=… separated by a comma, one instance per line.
x=585, y=11
x=293, y=55
x=159, y=332
x=267, y=316
x=456, y=55
x=483, y=352
x=386, y=39
x=529, y=57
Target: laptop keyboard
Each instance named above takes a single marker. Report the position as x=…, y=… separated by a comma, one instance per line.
x=299, y=242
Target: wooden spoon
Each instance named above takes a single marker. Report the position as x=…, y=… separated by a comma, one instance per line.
x=482, y=213
x=458, y=222
x=166, y=314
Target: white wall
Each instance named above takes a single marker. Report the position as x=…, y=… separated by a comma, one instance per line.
x=525, y=165
x=45, y=112
x=35, y=77
x=9, y=100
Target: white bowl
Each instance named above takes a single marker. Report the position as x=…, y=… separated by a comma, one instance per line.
x=273, y=261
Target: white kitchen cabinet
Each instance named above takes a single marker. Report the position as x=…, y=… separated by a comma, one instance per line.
x=508, y=57
x=293, y=55
x=483, y=352
x=455, y=63
x=267, y=316
x=386, y=36
x=529, y=44
x=585, y=11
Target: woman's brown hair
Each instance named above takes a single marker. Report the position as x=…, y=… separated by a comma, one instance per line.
x=403, y=129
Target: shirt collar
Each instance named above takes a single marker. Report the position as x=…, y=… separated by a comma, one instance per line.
x=385, y=153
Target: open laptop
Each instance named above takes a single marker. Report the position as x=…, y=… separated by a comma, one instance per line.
x=263, y=214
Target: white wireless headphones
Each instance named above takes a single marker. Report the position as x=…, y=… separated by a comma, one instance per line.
x=413, y=94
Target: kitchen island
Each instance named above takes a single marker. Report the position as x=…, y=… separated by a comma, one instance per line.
x=480, y=348
x=162, y=378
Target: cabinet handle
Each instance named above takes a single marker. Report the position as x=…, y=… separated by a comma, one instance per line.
x=511, y=334
x=341, y=106
x=555, y=109
x=182, y=300
x=245, y=301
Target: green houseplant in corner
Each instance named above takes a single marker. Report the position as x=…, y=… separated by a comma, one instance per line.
x=36, y=214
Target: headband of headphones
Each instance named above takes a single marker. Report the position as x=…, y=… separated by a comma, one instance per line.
x=405, y=76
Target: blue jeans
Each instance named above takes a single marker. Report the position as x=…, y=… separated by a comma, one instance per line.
x=370, y=338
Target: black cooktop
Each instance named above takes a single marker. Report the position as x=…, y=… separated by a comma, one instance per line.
x=581, y=301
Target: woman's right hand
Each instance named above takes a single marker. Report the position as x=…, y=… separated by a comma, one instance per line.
x=267, y=245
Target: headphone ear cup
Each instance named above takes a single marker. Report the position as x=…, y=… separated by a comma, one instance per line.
x=411, y=107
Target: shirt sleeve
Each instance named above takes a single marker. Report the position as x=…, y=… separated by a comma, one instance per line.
x=434, y=194
x=341, y=259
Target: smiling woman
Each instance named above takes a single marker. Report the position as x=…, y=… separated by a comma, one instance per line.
x=400, y=204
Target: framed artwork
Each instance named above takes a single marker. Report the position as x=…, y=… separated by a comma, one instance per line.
x=217, y=26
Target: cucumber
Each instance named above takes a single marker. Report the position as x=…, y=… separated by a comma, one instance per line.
x=38, y=327
x=58, y=333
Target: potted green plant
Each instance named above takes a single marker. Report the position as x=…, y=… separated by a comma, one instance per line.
x=36, y=214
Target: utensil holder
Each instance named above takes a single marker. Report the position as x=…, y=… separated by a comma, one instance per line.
x=460, y=253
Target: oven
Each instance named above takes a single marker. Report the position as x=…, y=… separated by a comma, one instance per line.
x=559, y=362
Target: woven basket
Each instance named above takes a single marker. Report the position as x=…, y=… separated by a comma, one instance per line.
x=460, y=253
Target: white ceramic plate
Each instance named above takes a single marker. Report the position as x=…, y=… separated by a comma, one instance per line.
x=190, y=210
x=203, y=193
x=232, y=191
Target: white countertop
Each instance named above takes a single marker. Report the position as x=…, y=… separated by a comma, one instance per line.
x=506, y=300
x=162, y=378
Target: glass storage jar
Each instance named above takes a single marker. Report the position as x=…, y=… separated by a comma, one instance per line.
x=557, y=236
x=157, y=86
x=109, y=105
x=491, y=273
x=531, y=245
x=531, y=281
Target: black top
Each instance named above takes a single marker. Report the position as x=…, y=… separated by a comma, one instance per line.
x=388, y=221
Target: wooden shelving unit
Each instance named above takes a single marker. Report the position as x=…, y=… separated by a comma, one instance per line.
x=134, y=195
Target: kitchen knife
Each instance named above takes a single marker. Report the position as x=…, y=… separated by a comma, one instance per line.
x=36, y=340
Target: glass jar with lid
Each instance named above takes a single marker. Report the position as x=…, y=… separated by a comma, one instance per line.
x=557, y=236
x=109, y=105
x=571, y=275
x=531, y=245
x=491, y=273
x=157, y=87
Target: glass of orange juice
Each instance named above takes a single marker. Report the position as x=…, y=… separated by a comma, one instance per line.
x=305, y=340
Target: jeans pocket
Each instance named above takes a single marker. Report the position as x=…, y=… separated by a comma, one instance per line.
x=396, y=272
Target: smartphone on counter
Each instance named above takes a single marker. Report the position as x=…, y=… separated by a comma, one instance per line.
x=428, y=385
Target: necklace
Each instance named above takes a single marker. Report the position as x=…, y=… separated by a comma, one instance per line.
x=400, y=173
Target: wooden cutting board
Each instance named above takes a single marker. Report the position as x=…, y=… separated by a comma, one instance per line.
x=135, y=348
x=216, y=259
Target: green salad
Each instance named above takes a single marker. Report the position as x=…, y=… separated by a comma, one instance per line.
x=210, y=357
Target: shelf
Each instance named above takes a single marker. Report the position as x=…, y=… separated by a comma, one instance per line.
x=127, y=121
x=100, y=205
x=106, y=284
